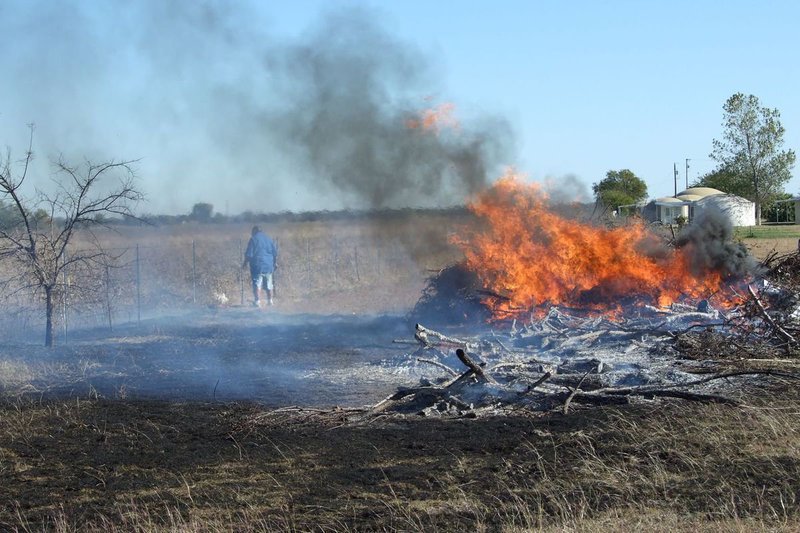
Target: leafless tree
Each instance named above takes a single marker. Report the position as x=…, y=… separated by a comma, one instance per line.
x=35, y=232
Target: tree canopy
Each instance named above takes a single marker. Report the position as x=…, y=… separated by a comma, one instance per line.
x=620, y=187
x=750, y=152
x=201, y=212
x=726, y=180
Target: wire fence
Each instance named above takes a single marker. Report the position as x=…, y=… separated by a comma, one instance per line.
x=144, y=280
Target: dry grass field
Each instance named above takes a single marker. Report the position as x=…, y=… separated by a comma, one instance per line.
x=765, y=240
x=86, y=446
x=338, y=266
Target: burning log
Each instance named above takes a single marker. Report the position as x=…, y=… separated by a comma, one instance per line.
x=566, y=357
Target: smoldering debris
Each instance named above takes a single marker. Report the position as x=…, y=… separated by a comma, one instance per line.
x=710, y=245
x=784, y=270
x=563, y=360
x=451, y=296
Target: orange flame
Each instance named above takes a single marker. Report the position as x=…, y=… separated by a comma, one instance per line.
x=531, y=257
x=434, y=119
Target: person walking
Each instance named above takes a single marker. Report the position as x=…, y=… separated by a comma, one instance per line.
x=262, y=256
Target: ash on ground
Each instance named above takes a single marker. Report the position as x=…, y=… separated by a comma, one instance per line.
x=691, y=352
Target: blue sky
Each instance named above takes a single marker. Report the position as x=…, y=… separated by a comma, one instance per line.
x=584, y=87
x=593, y=86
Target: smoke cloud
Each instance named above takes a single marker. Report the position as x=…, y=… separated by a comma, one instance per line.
x=711, y=246
x=221, y=110
x=568, y=189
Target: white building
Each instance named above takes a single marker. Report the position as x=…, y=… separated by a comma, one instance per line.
x=693, y=201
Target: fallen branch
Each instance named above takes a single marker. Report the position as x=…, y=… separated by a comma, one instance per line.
x=539, y=381
x=440, y=365
x=650, y=388
x=694, y=396
x=476, y=369
x=517, y=364
x=422, y=334
x=402, y=392
x=572, y=394
x=782, y=332
x=458, y=381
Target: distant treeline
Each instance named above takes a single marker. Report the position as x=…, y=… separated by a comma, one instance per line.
x=288, y=216
x=203, y=213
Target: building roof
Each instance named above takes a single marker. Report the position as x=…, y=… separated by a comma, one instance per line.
x=668, y=200
x=700, y=191
x=690, y=195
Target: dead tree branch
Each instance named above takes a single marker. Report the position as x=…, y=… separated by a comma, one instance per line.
x=472, y=365
x=572, y=394
x=438, y=364
x=782, y=332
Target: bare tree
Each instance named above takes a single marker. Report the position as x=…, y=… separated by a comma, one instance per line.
x=35, y=233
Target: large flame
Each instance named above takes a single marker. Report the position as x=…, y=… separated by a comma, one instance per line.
x=531, y=257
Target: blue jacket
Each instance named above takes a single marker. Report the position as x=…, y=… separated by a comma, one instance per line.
x=262, y=254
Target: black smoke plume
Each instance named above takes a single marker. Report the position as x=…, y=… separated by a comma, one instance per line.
x=348, y=93
x=710, y=243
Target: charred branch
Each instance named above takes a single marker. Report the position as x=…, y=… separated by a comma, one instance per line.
x=423, y=335
x=572, y=394
x=473, y=366
x=438, y=364
x=782, y=332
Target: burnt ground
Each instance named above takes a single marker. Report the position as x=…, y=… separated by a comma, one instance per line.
x=243, y=420
x=92, y=464
x=262, y=355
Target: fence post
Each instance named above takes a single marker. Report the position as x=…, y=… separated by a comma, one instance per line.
x=308, y=262
x=108, y=298
x=335, y=245
x=66, y=295
x=355, y=260
x=138, y=289
x=275, y=271
x=241, y=275
x=194, y=273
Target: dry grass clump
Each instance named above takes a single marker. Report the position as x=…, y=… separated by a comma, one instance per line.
x=14, y=374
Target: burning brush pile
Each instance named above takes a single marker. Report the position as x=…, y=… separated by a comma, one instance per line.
x=563, y=312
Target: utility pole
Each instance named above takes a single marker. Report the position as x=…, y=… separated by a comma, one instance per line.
x=675, y=171
x=687, y=173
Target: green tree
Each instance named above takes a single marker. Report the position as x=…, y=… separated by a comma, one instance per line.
x=201, y=212
x=751, y=149
x=726, y=181
x=779, y=211
x=620, y=187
